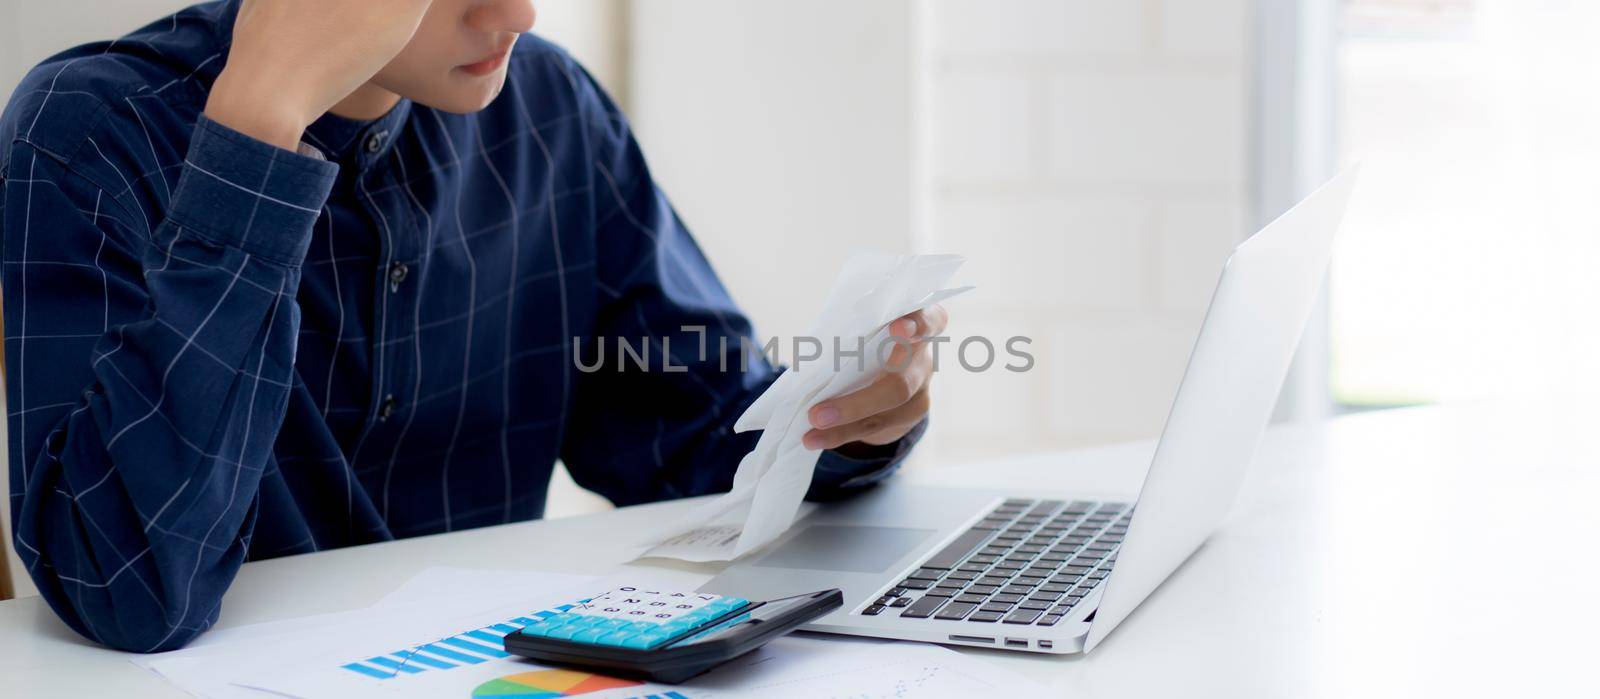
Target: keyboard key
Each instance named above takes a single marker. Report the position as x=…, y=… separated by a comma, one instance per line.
x=1099, y=575
x=886, y=599
x=1018, y=502
x=1080, y=592
x=982, y=589
x=941, y=592
x=952, y=584
x=926, y=574
x=981, y=615
x=924, y=608
x=1010, y=565
x=1039, y=571
x=972, y=568
x=910, y=584
x=956, y=551
x=1075, y=568
x=1022, y=616
x=1028, y=548
x=971, y=598
x=963, y=575
x=896, y=592
x=984, y=559
x=1006, y=597
x=995, y=550
x=987, y=525
x=1017, y=589
x=1049, y=619
x=1001, y=607
x=955, y=610
x=1063, y=608
x=1055, y=557
x=872, y=610
x=1036, y=606
x=901, y=602
x=994, y=580
x=1055, y=587
x=1047, y=596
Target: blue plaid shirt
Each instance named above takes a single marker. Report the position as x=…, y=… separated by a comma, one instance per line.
x=219, y=350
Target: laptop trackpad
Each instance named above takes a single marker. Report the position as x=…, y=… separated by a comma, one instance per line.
x=845, y=548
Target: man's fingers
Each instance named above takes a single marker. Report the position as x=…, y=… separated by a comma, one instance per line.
x=922, y=324
x=879, y=428
x=891, y=389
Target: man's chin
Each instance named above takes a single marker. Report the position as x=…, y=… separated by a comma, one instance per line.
x=464, y=99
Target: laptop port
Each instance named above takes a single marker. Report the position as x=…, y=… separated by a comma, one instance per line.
x=1016, y=643
x=1047, y=644
x=971, y=639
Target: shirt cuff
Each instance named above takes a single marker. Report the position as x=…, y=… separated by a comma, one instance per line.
x=241, y=192
x=837, y=475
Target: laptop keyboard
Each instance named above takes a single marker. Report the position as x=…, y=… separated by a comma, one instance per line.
x=1027, y=562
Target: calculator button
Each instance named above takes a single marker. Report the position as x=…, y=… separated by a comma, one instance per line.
x=591, y=634
x=615, y=638
x=642, y=641
x=565, y=631
x=673, y=628
x=540, y=629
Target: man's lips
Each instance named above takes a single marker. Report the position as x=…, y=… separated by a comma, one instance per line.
x=489, y=64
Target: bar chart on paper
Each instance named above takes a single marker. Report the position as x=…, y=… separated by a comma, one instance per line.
x=473, y=664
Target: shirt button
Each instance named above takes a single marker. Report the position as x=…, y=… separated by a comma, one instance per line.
x=375, y=141
x=397, y=274
x=386, y=408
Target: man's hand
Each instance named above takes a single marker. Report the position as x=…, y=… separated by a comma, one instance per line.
x=293, y=60
x=889, y=407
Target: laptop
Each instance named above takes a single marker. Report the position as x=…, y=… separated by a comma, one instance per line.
x=1050, y=572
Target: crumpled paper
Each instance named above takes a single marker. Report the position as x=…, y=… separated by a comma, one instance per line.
x=872, y=291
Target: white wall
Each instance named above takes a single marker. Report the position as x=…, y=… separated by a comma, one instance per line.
x=782, y=133
x=1090, y=156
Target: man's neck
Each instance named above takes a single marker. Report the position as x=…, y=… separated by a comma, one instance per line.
x=368, y=102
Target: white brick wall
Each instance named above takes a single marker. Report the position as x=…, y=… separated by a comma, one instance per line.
x=1090, y=157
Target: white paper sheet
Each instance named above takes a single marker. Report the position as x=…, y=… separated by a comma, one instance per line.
x=214, y=663
x=307, y=658
x=872, y=291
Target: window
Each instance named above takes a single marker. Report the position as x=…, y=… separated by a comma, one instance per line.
x=1470, y=262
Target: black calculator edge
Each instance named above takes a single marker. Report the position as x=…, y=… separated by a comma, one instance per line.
x=666, y=664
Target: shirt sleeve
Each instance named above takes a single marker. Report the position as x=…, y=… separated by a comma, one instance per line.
x=149, y=359
x=666, y=432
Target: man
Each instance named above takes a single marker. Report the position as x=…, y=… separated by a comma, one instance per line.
x=287, y=275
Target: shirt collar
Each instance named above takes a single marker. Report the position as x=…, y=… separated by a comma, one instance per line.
x=356, y=143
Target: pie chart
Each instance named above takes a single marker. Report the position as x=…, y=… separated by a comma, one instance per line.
x=541, y=684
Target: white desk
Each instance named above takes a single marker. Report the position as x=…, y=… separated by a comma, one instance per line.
x=1427, y=552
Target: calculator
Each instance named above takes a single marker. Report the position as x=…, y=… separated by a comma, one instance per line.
x=662, y=635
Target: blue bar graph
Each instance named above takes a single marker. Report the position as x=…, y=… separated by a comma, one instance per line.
x=467, y=648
